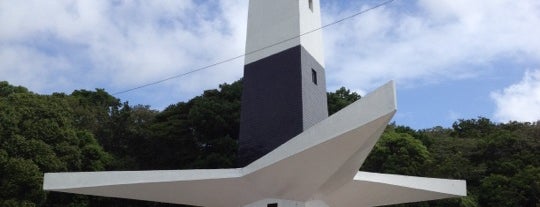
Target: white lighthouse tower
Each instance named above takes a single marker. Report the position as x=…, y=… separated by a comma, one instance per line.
x=278, y=25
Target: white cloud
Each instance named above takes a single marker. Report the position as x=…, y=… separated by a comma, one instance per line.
x=119, y=44
x=520, y=101
x=418, y=42
x=25, y=65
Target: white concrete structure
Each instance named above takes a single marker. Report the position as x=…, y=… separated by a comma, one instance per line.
x=317, y=168
x=269, y=33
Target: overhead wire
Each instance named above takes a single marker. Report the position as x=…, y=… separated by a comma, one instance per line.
x=258, y=50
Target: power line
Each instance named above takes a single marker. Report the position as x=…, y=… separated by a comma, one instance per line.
x=263, y=48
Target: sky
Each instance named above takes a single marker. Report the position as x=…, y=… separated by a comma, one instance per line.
x=451, y=59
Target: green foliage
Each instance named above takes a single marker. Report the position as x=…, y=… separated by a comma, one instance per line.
x=201, y=133
x=215, y=120
x=522, y=189
x=171, y=145
x=21, y=182
x=498, y=192
x=398, y=153
x=6, y=89
x=340, y=99
x=37, y=135
x=499, y=161
x=472, y=128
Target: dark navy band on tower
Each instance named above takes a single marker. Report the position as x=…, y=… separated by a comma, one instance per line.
x=283, y=95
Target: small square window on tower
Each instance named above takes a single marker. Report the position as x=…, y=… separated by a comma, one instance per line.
x=311, y=4
x=314, y=76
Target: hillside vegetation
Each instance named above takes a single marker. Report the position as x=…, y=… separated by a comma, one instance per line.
x=94, y=131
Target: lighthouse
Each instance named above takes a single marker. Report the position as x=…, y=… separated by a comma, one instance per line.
x=291, y=153
x=284, y=85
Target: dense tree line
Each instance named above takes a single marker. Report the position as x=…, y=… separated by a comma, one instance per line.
x=94, y=131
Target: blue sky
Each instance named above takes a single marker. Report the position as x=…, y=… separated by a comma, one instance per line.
x=451, y=59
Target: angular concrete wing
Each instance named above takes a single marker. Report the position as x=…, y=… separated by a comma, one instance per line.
x=192, y=187
x=318, y=166
x=374, y=189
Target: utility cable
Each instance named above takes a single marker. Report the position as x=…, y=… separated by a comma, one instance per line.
x=258, y=50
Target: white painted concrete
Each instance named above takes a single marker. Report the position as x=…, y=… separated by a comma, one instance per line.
x=274, y=26
x=374, y=189
x=310, y=20
x=279, y=202
x=318, y=168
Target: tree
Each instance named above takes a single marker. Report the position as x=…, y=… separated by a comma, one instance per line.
x=20, y=182
x=200, y=133
x=37, y=135
x=340, y=99
x=171, y=144
x=473, y=128
x=398, y=153
x=215, y=118
x=6, y=89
